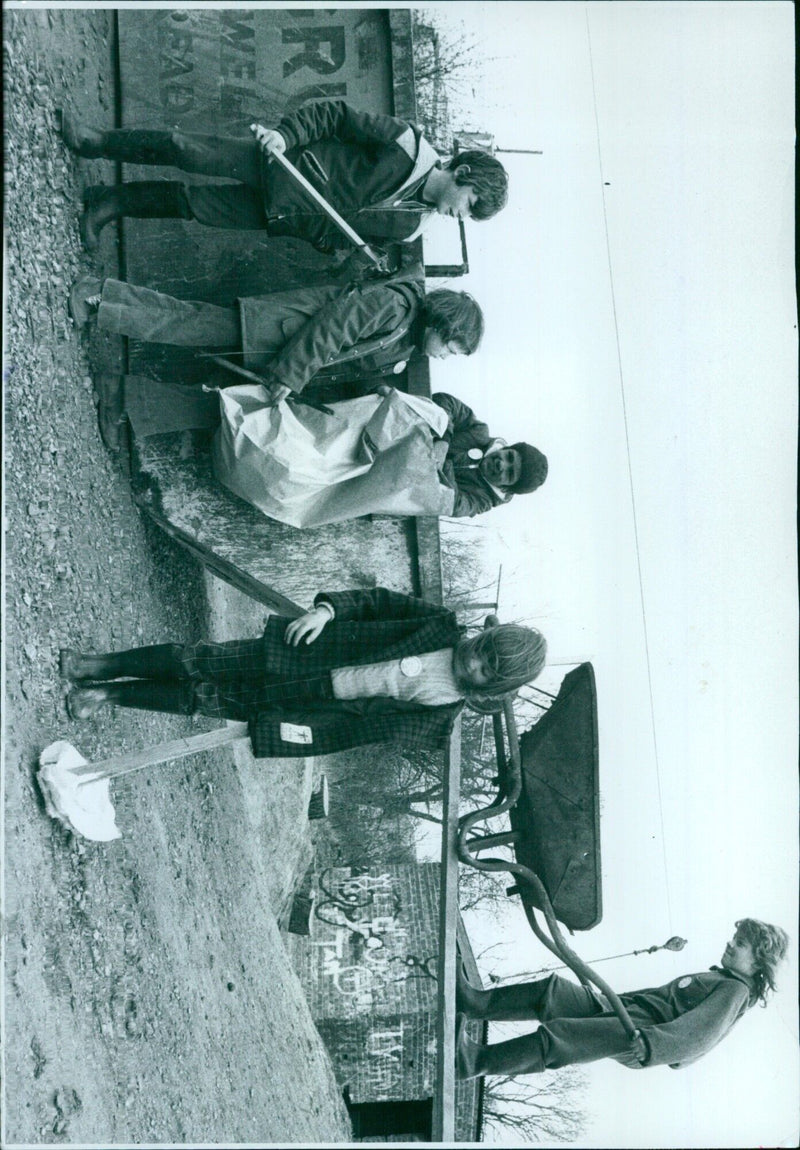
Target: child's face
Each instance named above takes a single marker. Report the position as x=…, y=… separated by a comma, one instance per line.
x=739, y=956
x=455, y=200
x=471, y=669
x=435, y=348
x=502, y=468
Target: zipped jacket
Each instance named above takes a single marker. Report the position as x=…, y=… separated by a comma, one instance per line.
x=334, y=333
x=473, y=495
x=370, y=167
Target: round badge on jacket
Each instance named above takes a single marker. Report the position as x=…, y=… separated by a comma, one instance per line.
x=684, y=982
x=411, y=666
x=401, y=366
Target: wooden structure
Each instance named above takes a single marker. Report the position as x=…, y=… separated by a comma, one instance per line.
x=218, y=70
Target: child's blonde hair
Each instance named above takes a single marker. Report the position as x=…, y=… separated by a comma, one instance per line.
x=769, y=944
x=514, y=654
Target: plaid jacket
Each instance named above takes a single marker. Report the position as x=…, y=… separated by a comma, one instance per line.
x=370, y=626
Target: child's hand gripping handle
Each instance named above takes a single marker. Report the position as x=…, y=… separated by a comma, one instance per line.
x=274, y=144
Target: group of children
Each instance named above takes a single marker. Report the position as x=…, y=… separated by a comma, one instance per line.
x=386, y=181
x=364, y=666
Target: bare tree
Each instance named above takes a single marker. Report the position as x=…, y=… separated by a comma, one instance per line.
x=447, y=65
x=551, y=1106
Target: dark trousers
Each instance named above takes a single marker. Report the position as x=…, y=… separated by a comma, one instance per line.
x=577, y=1025
x=219, y=205
x=221, y=680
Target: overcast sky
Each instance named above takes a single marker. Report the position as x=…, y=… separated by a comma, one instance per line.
x=672, y=124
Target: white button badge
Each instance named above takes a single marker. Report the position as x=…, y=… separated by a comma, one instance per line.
x=411, y=666
x=684, y=982
x=401, y=366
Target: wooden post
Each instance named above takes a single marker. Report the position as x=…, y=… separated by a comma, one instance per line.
x=443, y=1124
x=318, y=803
x=161, y=753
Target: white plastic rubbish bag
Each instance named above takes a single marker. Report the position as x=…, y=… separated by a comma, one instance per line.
x=82, y=804
x=375, y=455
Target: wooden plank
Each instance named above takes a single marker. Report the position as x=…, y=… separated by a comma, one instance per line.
x=221, y=567
x=443, y=1124
x=163, y=752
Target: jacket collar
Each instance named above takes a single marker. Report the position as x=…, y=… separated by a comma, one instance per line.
x=749, y=983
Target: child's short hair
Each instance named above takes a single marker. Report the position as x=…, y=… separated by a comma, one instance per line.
x=455, y=317
x=488, y=179
x=769, y=944
x=515, y=655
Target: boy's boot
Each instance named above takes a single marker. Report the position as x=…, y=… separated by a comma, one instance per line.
x=515, y=1003
x=84, y=702
x=145, y=200
x=161, y=662
x=142, y=694
x=149, y=695
x=84, y=298
x=523, y=1055
x=128, y=145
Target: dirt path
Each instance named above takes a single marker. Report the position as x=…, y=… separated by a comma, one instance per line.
x=148, y=994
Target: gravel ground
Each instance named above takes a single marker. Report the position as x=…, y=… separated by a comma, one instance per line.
x=148, y=994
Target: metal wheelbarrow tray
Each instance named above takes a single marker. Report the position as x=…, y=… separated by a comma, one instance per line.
x=548, y=785
x=556, y=819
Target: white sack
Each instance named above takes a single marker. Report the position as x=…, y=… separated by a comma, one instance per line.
x=376, y=455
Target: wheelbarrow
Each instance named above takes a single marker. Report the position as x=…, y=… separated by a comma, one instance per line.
x=548, y=785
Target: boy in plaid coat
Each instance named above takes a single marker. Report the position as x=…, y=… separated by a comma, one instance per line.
x=360, y=667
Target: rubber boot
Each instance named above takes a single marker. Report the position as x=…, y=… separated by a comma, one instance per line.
x=79, y=138
x=518, y=1002
x=523, y=1055
x=144, y=200
x=85, y=702
x=161, y=662
x=147, y=695
x=128, y=145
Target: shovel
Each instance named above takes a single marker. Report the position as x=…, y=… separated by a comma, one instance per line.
x=76, y=792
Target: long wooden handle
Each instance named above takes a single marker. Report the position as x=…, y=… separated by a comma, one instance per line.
x=319, y=199
x=161, y=753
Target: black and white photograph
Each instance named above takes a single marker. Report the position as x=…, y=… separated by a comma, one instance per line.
x=399, y=579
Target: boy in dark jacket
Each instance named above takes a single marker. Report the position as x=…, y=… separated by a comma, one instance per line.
x=482, y=470
x=330, y=332
x=360, y=667
x=678, y=1023
x=377, y=171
